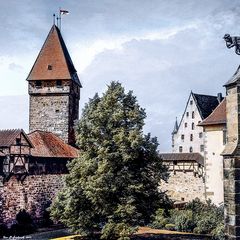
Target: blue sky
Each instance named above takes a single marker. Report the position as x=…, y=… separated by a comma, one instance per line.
x=159, y=49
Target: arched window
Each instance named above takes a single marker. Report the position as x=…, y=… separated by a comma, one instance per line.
x=190, y=149
x=180, y=149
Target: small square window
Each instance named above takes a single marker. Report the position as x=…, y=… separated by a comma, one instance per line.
x=191, y=102
x=180, y=149
x=49, y=67
x=38, y=84
x=59, y=83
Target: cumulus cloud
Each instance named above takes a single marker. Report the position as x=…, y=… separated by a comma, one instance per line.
x=159, y=49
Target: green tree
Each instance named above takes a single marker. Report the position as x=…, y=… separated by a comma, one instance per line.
x=113, y=186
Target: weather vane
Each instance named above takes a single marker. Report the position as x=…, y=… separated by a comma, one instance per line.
x=59, y=18
x=233, y=41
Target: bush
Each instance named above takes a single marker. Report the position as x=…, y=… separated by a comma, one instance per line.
x=170, y=227
x=184, y=221
x=160, y=219
x=197, y=217
x=24, y=224
x=3, y=230
x=218, y=232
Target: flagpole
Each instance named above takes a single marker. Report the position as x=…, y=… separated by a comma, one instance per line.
x=60, y=19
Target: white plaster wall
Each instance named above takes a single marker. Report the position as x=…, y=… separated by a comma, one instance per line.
x=214, y=163
x=186, y=143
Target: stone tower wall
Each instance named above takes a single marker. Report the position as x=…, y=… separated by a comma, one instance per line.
x=34, y=195
x=54, y=109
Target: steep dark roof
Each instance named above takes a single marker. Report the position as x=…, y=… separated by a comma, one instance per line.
x=206, y=104
x=168, y=157
x=218, y=116
x=54, y=53
x=234, y=78
x=47, y=144
x=8, y=137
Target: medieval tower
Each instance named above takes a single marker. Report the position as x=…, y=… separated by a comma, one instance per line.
x=54, y=89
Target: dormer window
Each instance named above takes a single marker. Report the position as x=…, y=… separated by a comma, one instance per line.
x=59, y=83
x=38, y=84
x=18, y=141
x=49, y=67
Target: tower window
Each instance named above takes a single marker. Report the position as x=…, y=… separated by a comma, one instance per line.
x=190, y=149
x=193, y=115
x=38, y=84
x=59, y=83
x=187, y=114
x=49, y=67
x=193, y=126
x=182, y=136
x=185, y=124
x=191, y=102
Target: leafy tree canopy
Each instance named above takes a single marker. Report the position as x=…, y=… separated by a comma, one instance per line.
x=113, y=186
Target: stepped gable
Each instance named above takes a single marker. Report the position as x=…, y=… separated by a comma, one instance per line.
x=53, y=61
x=218, y=116
x=47, y=144
x=205, y=104
x=8, y=137
x=197, y=157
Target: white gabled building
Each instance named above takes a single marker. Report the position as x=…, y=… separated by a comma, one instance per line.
x=188, y=136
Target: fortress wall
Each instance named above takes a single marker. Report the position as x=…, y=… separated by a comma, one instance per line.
x=34, y=195
x=184, y=186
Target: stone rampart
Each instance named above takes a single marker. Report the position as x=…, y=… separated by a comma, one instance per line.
x=34, y=195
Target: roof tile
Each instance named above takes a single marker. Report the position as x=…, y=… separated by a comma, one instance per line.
x=54, y=53
x=47, y=144
x=197, y=157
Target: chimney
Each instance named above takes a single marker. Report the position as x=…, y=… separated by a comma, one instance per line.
x=219, y=97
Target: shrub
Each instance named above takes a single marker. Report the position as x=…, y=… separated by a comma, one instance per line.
x=160, y=219
x=218, y=232
x=184, y=221
x=3, y=230
x=24, y=224
x=170, y=227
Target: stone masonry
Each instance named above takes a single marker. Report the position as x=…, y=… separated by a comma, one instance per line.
x=34, y=195
x=231, y=162
x=184, y=186
x=54, y=109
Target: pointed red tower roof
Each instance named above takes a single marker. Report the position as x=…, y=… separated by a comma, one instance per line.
x=53, y=61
